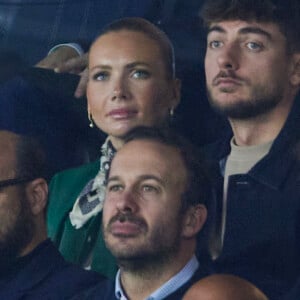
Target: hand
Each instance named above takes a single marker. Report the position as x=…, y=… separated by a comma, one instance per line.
x=58, y=58
x=66, y=60
x=75, y=65
x=81, y=87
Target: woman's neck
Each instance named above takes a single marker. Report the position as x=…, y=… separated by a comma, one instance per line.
x=116, y=142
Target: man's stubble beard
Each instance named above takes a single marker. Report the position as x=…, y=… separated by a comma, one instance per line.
x=18, y=237
x=260, y=102
x=151, y=256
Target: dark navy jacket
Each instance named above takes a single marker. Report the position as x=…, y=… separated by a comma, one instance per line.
x=44, y=274
x=262, y=238
x=295, y=293
x=57, y=122
x=105, y=290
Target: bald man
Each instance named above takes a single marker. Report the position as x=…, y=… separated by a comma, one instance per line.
x=30, y=266
x=224, y=287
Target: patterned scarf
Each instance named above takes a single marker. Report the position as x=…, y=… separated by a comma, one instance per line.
x=90, y=201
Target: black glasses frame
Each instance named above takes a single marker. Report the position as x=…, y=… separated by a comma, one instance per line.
x=14, y=181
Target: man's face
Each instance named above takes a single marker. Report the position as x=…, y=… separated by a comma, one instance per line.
x=16, y=225
x=128, y=84
x=141, y=215
x=247, y=68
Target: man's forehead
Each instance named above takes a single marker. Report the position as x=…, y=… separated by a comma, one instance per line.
x=146, y=156
x=244, y=27
x=148, y=146
x=143, y=160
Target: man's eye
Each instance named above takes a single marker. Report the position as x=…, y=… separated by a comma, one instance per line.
x=115, y=188
x=149, y=189
x=100, y=76
x=140, y=74
x=254, y=46
x=215, y=44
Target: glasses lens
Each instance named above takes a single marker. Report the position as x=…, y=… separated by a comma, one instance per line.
x=14, y=181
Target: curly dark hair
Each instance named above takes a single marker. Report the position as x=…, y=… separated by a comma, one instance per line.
x=284, y=13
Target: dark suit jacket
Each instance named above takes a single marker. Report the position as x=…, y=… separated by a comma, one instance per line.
x=105, y=290
x=44, y=274
x=25, y=108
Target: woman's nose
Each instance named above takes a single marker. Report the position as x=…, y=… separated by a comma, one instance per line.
x=120, y=90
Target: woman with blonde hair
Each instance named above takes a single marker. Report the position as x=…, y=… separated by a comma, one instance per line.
x=131, y=83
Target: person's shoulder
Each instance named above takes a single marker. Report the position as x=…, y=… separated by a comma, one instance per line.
x=105, y=290
x=69, y=183
x=45, y=273
x=64, y=189
x=67, y=278
x=81, y=171
x=68, y=281
x=218, y=148
x=79, y=279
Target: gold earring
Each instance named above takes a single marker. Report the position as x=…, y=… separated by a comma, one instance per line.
x=172, y=111
x=91, y=120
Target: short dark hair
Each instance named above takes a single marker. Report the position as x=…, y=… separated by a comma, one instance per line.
x=286, y=14
x=30, y=158
x=150, y=30
x=199, y=186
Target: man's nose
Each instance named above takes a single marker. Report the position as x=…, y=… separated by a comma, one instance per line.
x=228, y=57
x=127, y=202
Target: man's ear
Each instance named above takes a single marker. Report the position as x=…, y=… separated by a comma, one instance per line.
x=295, y=72
x=194, y=219
x=37, y=195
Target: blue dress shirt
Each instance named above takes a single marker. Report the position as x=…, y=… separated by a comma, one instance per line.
x=167, y=288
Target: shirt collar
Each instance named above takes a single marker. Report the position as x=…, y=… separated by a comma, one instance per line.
x=168, y=287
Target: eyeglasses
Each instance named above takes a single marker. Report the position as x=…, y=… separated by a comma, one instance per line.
x=14, y=181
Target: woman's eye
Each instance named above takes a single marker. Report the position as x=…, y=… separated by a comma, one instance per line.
x=100, y=76
x=140, y=74
x=254, y=46
x=215, y=44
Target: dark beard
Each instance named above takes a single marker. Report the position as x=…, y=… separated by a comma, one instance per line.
x=150, y=262
x=147, y=258
x=18, y=238
x=243, y=110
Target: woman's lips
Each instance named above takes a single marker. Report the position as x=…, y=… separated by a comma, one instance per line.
x=122, y=113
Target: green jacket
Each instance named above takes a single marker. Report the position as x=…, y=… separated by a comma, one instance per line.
x=76, y=244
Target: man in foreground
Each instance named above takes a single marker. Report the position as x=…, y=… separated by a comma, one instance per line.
x=252, y=67
x=154, y=207
x=223, y=287
x=30, y=265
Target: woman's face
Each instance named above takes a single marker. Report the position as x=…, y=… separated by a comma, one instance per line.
x=127, y=85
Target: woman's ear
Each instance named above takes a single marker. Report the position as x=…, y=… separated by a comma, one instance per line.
x=194, y=219
x=37, y=195
x=176, y=92
x=295, y=72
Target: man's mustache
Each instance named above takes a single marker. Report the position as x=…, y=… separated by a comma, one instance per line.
x=127, y=217
x=227, y=74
